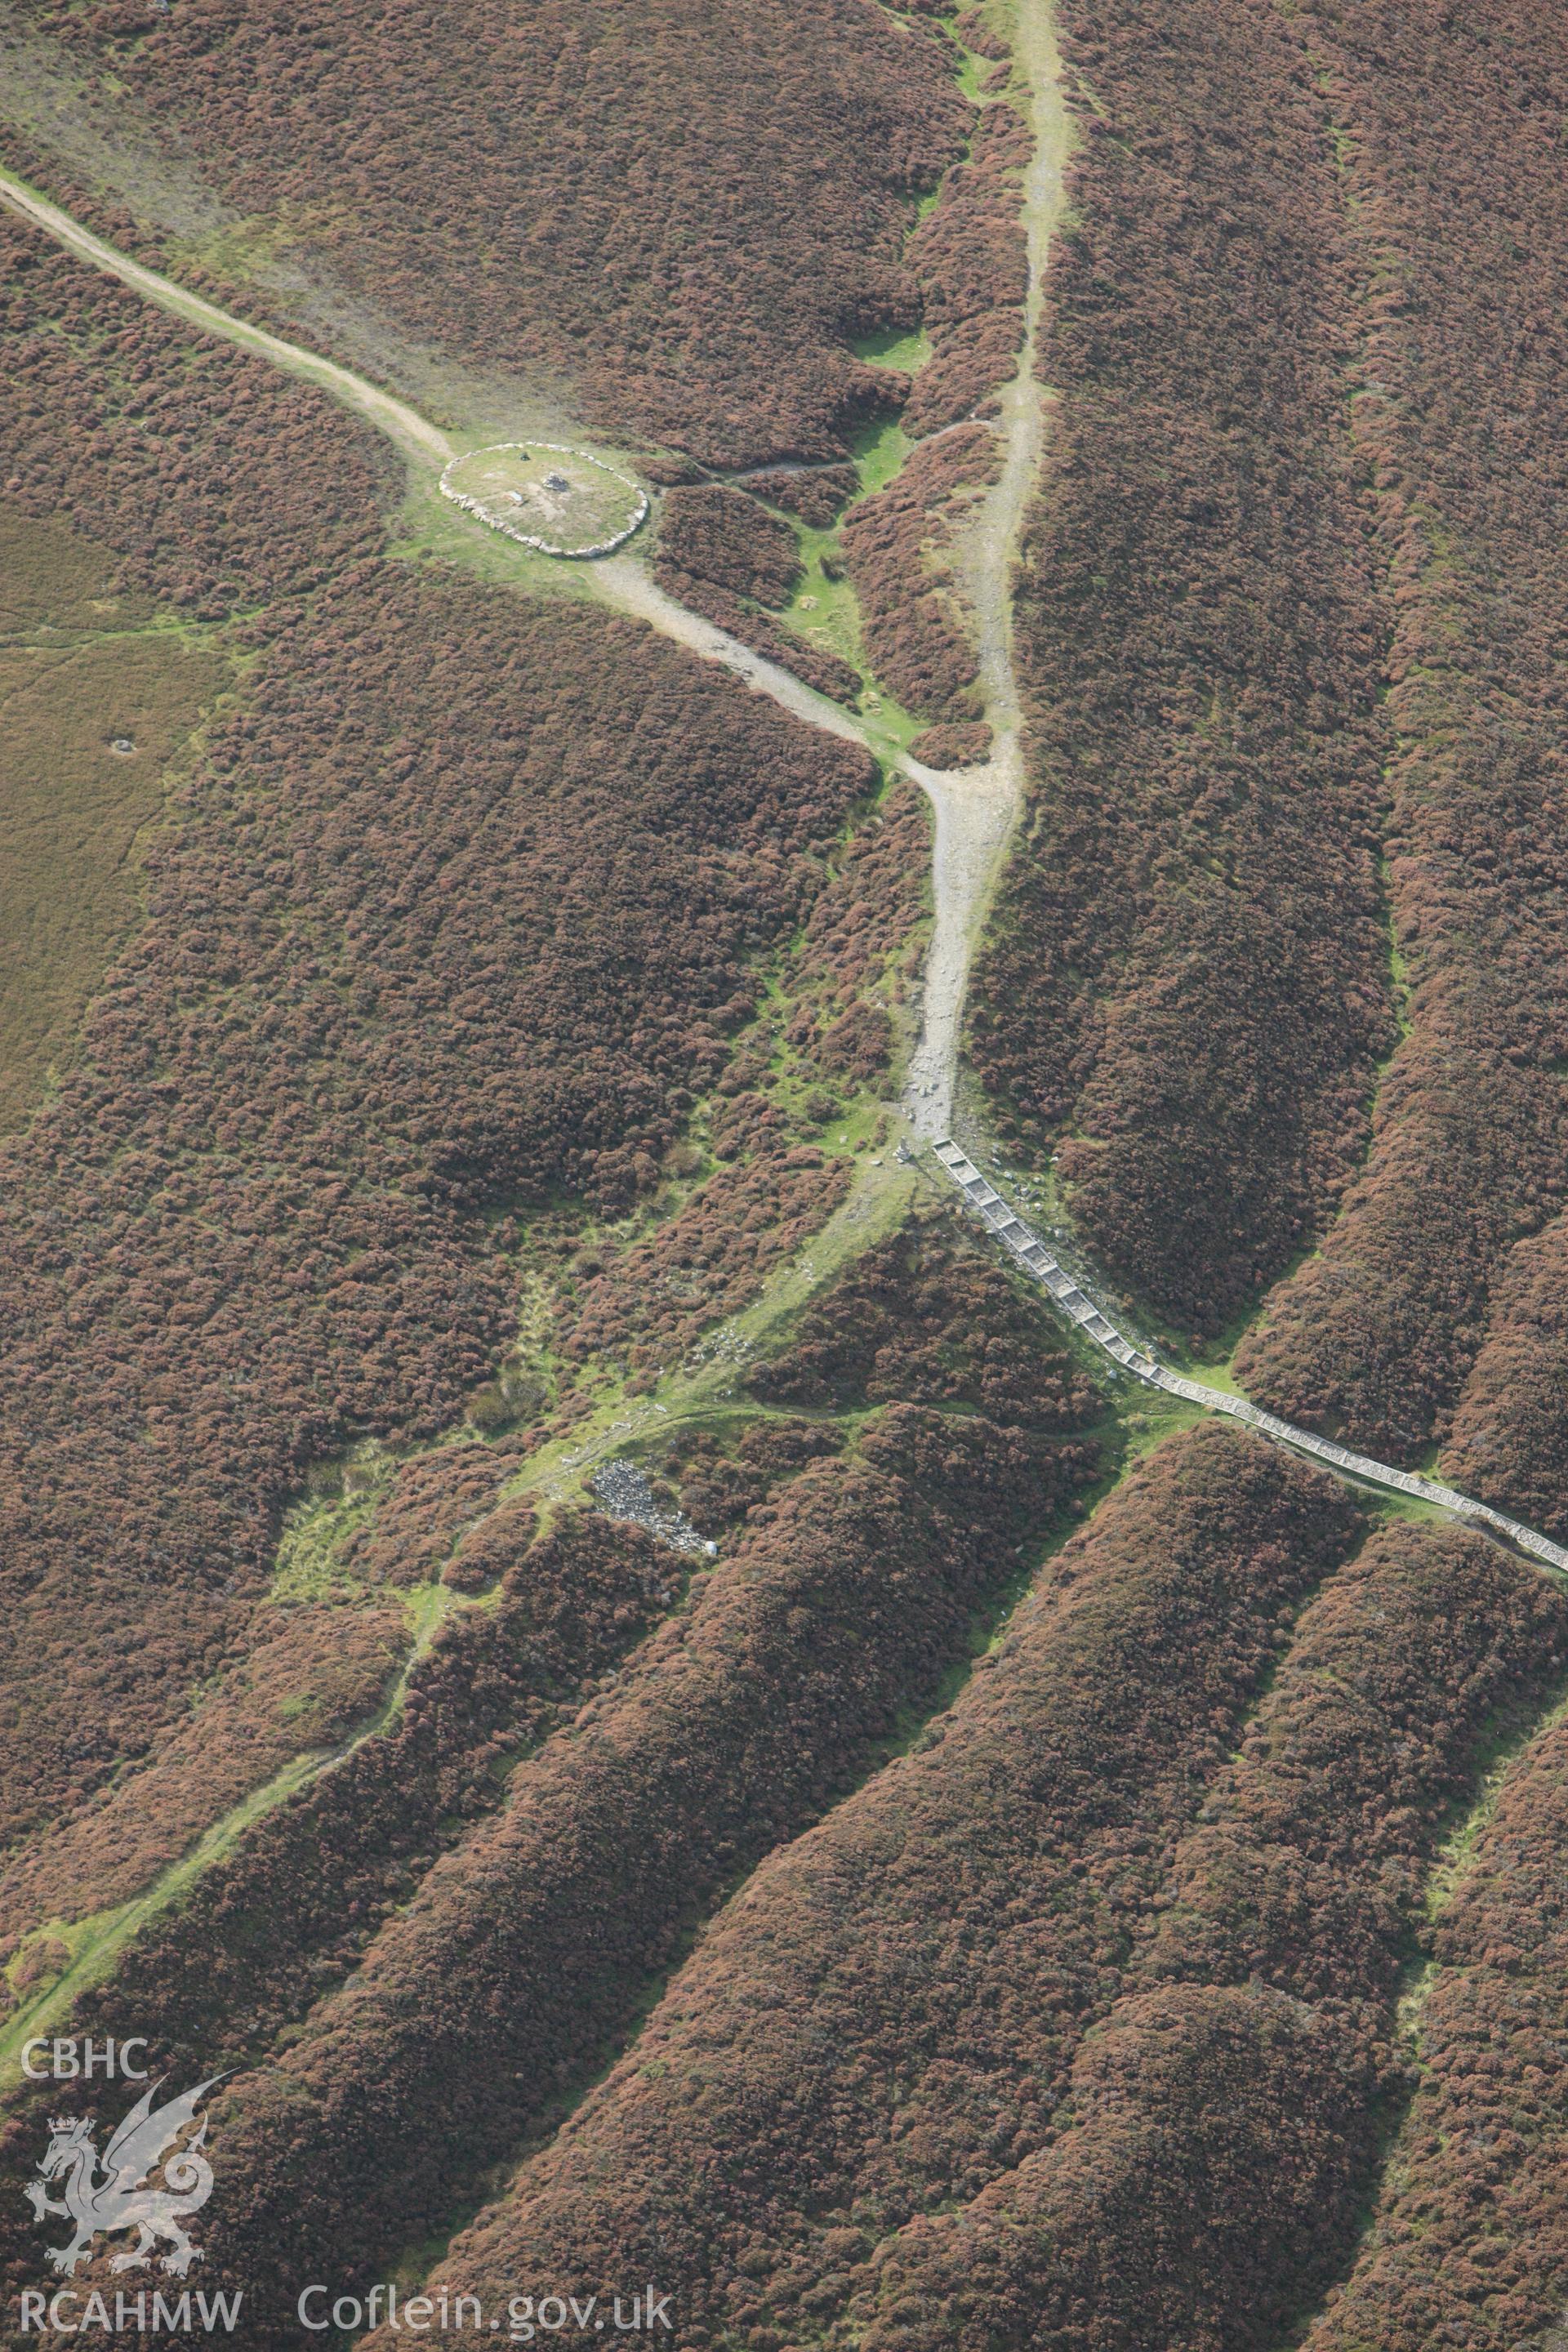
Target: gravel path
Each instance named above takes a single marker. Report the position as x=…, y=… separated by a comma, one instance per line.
x=989, y=550
x=627, y=583
x=1096, y=1325
x=976, y=808
x=973, y=810
x=412, y=432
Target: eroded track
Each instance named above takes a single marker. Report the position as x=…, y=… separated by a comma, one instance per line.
x=1097, y=1326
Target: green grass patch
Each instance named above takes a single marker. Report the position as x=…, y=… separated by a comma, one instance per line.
x=53, y=580
x=1148, y=1416
x=1214, y=1371
x=1510, y=1739
x=74, y=804
x=972, y=74
x=888, y=727
x=1399, y=986
x=823, y=611
x=249, y=249
x=875, y=1206
x=881, y=449
x=897, y=347
x=91, y=1945
x=431, y=530
x=343, y=1494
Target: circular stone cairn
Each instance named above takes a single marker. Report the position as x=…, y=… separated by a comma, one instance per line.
x=557, y=500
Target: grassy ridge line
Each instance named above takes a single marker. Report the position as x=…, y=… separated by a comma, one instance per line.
x=529, y=1950
x=886, y=2009
x=95, y=1942
x=283, y=1920
x=213, y=2015
x=1467, y=2242
x=557, y=1474
x=1241, y=2080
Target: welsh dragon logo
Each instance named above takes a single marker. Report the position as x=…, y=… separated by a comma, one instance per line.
x=103, y=2196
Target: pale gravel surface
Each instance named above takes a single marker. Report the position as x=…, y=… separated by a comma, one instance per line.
x=977, y=807
x=625, y=581
x=988, y=549
x=1100, y=1327
x=974, y=810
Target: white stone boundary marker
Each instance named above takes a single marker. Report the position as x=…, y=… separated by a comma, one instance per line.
x=525, y=539
x=1033, y=1255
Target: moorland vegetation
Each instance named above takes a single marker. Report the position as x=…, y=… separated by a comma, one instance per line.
x=732, y=1725
x=1188, y=970
x=1085, y=2009
x=689, y=219
x=666, y=241
x=1463, y=439
x=723, y=555
x=971, y=1970
x=1223, y=2124
x=881, y=2021
x=98, y=701
x=1467, y=2243
x=368, y=1009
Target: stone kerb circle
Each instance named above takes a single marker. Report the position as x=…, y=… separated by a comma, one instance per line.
x=611, y=499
